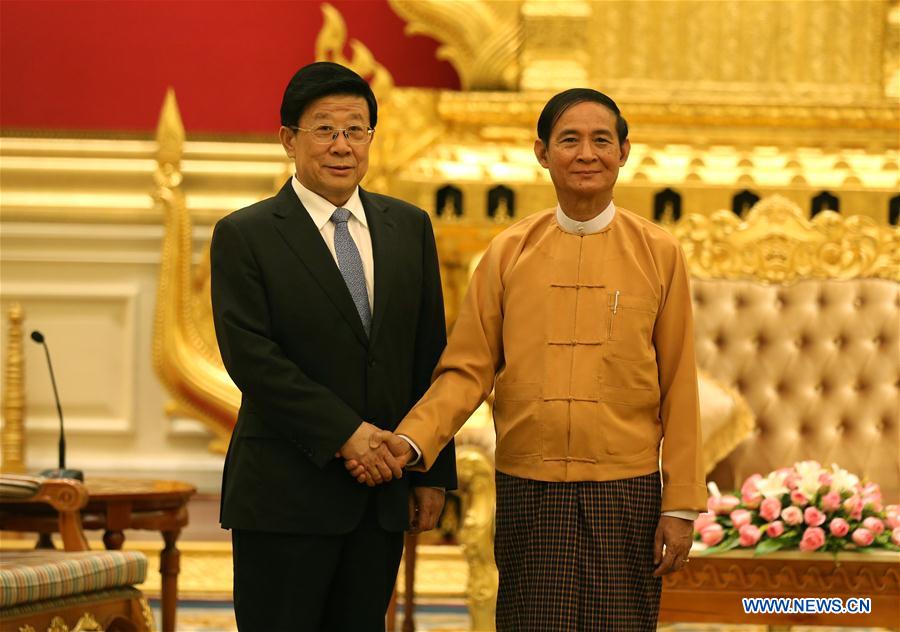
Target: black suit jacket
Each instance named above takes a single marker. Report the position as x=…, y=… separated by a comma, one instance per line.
x=292, y=341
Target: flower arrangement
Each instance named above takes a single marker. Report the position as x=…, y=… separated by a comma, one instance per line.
x=804, y=506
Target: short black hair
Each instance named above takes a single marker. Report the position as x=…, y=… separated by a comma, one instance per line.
x=322, y=79
x=561, y=102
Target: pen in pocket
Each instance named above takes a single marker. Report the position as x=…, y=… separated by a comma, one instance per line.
x=614, y=308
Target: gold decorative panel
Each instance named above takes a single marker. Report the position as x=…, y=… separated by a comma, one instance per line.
x=767, y=51
x=777, y=244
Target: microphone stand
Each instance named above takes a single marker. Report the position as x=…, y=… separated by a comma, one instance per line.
x=61, y=471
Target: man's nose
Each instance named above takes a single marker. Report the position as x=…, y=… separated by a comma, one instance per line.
x=340, y=145
x=586, y=150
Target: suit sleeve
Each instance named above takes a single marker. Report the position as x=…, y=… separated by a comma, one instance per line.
x=431, y=338
x=673, y=336
x=286, y=402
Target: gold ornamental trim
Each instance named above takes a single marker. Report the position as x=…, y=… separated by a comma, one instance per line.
x=185, y=355
x=58, y=624
x=12, y=438
x=330, y=45
x=477, y=489
x=777, y=244
x=147, y=614
x=87, y=623
x=480, y=38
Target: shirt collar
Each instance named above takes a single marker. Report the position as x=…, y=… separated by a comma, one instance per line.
x=593, y=225
x=321, y=209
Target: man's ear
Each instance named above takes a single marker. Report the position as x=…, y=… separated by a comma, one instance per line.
x=540, y=152
x=286, y=136
x=625, y=152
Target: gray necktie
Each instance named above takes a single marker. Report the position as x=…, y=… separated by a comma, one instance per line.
x=350, y=264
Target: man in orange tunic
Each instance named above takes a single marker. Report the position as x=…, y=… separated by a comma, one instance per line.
x=579, y=317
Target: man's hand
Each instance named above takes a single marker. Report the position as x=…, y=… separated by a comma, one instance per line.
x=375, y=462
x=383, y=442
x=425, y=505
x=676, y=535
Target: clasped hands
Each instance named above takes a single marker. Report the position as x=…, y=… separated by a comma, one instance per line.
x=374, y=456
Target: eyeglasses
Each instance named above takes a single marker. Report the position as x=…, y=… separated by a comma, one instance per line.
x=327, y=134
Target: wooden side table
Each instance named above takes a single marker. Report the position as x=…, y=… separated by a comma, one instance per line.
x=117, y=504
x=710, y=588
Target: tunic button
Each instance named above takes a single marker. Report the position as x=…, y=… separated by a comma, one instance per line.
x=581, y=230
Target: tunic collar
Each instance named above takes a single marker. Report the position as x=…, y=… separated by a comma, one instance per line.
x=593, y=225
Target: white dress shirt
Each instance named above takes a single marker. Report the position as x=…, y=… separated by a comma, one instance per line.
x=320, y=210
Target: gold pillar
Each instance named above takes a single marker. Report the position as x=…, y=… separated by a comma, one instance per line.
x=12, y=438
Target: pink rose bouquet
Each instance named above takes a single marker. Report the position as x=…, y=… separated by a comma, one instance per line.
x=806, y=507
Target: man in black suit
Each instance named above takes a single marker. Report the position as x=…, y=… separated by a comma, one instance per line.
x=329, y=317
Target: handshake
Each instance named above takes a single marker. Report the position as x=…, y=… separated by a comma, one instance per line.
x=374, y=456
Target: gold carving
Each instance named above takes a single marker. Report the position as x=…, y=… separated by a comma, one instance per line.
x=87, y=623
x=57, y=624
x=476, y=477
x=408, y=125
x=763, y=51
x=892, y=53
x=555, y=44
x=330, y=47
x=407, y=118
x=26, y=628
x=776, y=244
x=147, y=614
x=480, y=38
x=459, y=242
x=12, y=442
x=185, y=356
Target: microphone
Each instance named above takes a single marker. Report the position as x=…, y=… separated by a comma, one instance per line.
x=61, y=471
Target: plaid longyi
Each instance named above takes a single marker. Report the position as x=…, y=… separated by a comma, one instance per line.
x=577, y=556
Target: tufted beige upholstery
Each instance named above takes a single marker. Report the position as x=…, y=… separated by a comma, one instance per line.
x=819, y=364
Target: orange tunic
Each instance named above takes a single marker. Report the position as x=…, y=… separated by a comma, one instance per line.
x=588, y=342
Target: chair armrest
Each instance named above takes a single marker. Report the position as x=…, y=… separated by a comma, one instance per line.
x=66, y=496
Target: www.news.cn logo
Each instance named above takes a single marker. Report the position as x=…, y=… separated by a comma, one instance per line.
x=806, y=605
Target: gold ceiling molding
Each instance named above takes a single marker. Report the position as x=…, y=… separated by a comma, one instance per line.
x=185, y=355
x=480, y=38
x=777, y=244
x=523, y=108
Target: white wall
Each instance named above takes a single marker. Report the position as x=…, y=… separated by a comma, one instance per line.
x=91, y=289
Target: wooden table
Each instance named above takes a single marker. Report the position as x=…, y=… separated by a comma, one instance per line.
x=710, y=588
x=117, y=504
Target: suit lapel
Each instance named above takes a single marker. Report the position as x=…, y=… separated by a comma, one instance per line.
x=297, y=228
x=381, y=229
